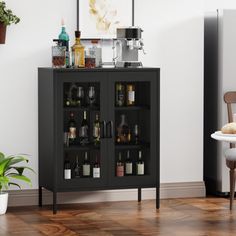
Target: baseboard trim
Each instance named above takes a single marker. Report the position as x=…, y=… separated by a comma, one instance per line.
x=167, y=190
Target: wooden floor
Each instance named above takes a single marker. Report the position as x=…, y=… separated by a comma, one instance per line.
x=198, y=216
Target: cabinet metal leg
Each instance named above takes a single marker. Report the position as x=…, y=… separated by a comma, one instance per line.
x=54, y=203
x=157, y=197
x=40, y=196
x=139, y=194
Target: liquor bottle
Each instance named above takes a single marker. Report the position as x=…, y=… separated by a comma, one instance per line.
x=77, y=168
x=96, y=169
x=128, y=165
x=119, y=167
x=130, y=101
x=96, y=131
x=72, y=129
x=64, y=37
x=86, y=166
x=78, y=57
x=136, y=134
x=122, y=131
x=83, y=132
x=120, y=95
x=140, y=164
x=67, y=170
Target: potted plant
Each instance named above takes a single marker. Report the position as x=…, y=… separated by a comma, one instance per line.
x=6, y=18
x=10, y=170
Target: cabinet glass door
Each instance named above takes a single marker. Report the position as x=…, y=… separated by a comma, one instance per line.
x=133, y=146
x=82, y=108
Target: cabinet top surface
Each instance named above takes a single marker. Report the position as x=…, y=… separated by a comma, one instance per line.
x=100, y=69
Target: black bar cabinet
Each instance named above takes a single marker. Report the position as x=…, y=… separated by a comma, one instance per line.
x=53, y=88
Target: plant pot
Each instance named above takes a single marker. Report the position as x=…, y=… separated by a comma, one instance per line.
x=3, y=29
x=3, y=202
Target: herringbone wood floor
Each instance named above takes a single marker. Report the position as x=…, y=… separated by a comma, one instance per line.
x=197, y=216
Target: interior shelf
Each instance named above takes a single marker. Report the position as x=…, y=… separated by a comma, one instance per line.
x=82, y=148
x=93, y=108
x=132, y=108
x=132, y=146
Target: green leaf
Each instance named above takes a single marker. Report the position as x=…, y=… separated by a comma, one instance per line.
x=3, y=165
x=4, y=181
x=2, y=156
x=10, y=183
x=20, y=169
x=21, y=177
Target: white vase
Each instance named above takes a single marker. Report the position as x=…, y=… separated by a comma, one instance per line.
x=3, y=202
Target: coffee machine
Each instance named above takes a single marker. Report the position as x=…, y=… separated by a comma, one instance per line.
x=127, y=46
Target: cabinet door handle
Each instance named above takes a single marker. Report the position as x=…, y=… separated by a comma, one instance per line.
x=109, y=128
x=103, y=129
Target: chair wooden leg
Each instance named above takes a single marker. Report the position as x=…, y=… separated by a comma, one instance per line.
x=232, y=186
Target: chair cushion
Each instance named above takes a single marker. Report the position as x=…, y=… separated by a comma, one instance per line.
x=230, y=154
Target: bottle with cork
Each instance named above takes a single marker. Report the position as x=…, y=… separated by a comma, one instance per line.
x=78, y=57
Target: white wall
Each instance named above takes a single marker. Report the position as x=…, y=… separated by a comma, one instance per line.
x=173, y=40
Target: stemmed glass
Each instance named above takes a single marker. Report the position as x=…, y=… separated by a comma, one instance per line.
x=91, y=95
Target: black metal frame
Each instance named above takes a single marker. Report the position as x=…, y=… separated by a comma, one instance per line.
x=133, y=17
x=51, y=154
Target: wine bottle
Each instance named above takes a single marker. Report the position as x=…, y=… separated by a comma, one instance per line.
x=128, y=165
x=136, y=134
x=86, y=166
x=67, y=170
x=77, y=168
x=119, y=167
x=96, y=131
x=140, y=164
x=120, y=95
x=83, y=132
x=122, y=131
x=72, y=129
x=96, y=169
x=130, y=101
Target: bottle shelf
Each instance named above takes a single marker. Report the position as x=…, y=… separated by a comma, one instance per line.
x=132, y=146
x=92, y=108
x=132, y=108
x=82, y=148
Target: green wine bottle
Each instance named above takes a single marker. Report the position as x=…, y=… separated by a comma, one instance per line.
x=65, y=41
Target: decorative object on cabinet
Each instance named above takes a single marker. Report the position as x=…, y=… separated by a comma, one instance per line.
x=95, y=160
x=9, y=172
x=98, y=19
x=6, y=18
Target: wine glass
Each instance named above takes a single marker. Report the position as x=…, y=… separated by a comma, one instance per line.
x=91, y=95
x=80, y=96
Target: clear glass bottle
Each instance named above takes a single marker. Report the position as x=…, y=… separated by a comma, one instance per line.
x=90, y=58
x=122, y=131
x=96, y=131
x=128, y=164
x=58, y=55
x=86, y=166
x=78, y=57
x=72, y=129
x=119, y=166
x=96, y=169
x=83, y=132
x=98, y=53
x=130, y=97
x=67, y=170
x=140, y=164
